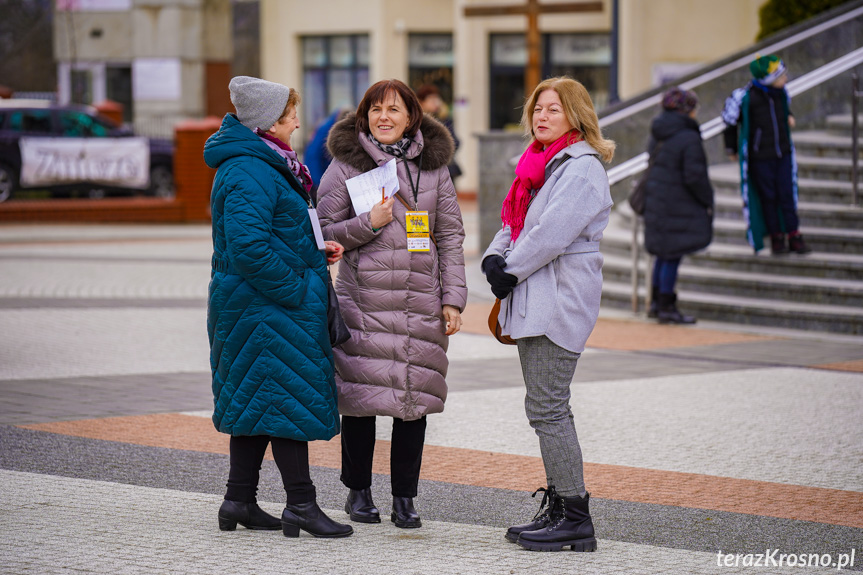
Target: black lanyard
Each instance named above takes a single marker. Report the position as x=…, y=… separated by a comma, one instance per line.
x=415, y=188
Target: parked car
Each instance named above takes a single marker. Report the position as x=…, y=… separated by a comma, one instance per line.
x=35, y=119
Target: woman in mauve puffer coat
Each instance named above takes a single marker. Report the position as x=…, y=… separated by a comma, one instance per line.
x=400, y=306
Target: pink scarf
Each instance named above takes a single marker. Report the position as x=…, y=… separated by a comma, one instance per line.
x=530, y=175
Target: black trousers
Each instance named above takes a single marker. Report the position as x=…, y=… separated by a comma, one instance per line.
x=247, y=455
x=774, y=180
x=406, y=453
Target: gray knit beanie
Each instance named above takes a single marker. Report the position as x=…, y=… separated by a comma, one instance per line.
x=259, y=103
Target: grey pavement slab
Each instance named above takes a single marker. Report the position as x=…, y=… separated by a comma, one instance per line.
x=100, y=321
x=41, y=400
x=96, y=526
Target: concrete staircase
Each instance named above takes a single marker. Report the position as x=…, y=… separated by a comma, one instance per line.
x=821, y=291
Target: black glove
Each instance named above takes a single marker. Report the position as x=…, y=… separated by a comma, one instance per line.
x=501, y=282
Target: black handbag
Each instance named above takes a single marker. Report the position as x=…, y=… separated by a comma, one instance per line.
x=637, y=196
x=339, y=332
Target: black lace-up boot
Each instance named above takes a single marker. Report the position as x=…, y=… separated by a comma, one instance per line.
x=570, y=526
x=360, y=506
x=541, y=518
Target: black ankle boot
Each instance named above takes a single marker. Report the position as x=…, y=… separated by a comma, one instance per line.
x=360, y=506
x=309, y=517
x=797, y=245
x=249, y=515
x=777, y=245
x=541, y=518
x=404, y=515
x=570, y=525
x=668, y=312
x=653, y=310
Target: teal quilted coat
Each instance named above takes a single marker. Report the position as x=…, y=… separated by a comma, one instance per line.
x=270, y=351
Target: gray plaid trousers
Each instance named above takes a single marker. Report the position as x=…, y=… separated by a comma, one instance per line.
x=548, y=370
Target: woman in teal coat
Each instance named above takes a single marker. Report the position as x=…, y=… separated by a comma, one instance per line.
x=270, y=350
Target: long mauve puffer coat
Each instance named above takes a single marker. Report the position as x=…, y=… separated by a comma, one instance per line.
x=395, y=362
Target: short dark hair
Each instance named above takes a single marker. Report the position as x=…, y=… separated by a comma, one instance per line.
x=427, y=90
x=377, y=93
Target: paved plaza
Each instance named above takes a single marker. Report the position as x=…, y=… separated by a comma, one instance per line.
x=713, y=448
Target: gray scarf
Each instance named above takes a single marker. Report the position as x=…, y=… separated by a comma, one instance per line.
x=399, y=149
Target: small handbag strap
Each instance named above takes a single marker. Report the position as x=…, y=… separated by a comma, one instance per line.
x=408, y=208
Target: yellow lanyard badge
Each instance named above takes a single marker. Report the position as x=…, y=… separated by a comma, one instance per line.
x=417, y=226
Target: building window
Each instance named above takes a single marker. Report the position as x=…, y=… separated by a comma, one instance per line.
x=585, y=57
x=82, y=86
x=335, y=75
x=118, y=87
x=430, y=61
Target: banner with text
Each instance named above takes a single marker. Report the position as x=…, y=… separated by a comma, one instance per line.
x=122, y=162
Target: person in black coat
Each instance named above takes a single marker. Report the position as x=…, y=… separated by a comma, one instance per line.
x=678, y=212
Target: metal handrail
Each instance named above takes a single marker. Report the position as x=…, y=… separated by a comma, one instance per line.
x=855, y=154
x=731, y=66
x=716, y=126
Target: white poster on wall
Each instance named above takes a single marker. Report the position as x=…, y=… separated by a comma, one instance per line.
x=156, y=79
x=122, y=162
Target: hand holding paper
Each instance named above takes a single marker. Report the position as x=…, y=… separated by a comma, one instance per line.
x=366, y=190
x=382, y=213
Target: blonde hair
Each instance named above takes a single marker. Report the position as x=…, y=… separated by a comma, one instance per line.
x=579, y=112
x=293, y=102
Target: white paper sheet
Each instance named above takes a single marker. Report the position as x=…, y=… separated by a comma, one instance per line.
x=365, y=189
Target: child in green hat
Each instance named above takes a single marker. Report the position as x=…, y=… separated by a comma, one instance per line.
x=758, y=135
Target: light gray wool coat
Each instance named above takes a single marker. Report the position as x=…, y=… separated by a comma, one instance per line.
x=556, y=257
x=391, y=299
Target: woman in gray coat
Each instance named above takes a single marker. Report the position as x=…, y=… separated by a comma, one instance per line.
x=399, y=305
x=546, y=267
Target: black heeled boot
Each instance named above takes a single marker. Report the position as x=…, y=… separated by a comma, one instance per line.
x=310, y=518
x=653, y=310
x=778, y=246
x=249, y=515
x=541, y=518
x=360, y=506
x=797, y=245
x=404, y=515
x=570, y=525
x=668, y=312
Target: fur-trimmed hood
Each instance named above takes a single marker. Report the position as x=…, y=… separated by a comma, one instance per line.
x=433, y=141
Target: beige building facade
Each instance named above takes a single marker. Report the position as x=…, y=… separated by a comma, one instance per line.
x=332, y=50
x=163, y=60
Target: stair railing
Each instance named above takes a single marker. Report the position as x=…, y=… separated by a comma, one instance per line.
x=716, y=126
x=855, y=154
